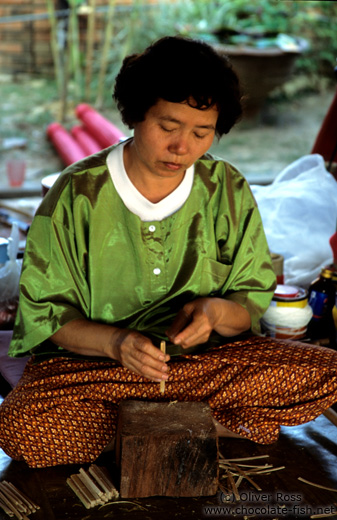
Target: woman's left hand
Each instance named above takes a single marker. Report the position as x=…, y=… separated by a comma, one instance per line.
x=197, y=319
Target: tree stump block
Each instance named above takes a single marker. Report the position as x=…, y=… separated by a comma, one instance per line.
x=166, y=449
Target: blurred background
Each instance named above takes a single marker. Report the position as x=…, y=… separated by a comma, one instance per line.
x=57, y=54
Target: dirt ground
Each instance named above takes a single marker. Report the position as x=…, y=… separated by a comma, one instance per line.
x=260, y=148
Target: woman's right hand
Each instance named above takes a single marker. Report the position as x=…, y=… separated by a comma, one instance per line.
x=133, y=350
x=137, y=353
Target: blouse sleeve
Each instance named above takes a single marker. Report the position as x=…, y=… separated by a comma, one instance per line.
x=53, y=286
x=251, y=280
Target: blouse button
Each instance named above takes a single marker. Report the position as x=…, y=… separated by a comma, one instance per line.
x=152, y=228
x=156, y=271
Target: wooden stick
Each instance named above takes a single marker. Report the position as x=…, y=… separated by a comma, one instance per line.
x=27, y=501
x=14, y=499
x=233, y=487
x=239, y=480
x=113, y=491
x=84, y=490
x=244, y=458
x=97, y=493
x=316, y=485
x=79, y=493
x=104, y=481
x=244, y=474
x=4, y=506
x=268, y=470
x=163, y=349
x=12, y=507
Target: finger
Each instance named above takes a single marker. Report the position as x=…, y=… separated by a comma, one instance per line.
x=149, y=372
x=149, y=366
x=154, y=352
x=197, y=332
x=179, y=323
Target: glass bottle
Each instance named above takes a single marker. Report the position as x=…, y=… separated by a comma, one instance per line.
x=321, y=298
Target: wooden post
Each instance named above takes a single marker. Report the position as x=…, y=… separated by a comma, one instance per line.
x=166, y=449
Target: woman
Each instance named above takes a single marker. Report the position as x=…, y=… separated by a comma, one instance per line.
x=154, y=239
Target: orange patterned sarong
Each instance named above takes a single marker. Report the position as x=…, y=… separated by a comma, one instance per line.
x=64, y=410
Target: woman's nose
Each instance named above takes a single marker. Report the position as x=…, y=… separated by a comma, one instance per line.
x=179, y=145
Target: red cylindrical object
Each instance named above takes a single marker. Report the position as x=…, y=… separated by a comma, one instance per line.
x=85, y=140
x=99, y=127
x=333, y=244
x=68, y=149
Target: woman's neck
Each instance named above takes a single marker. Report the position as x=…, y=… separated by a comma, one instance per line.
x=153, y=188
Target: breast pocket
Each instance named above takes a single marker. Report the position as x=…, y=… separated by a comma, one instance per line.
x=213, y=276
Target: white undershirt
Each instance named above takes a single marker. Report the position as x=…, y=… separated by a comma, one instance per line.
x=135, y=201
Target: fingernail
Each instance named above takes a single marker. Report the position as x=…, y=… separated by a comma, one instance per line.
x=162, y=357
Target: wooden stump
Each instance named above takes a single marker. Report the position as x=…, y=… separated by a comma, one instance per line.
x=166, y=449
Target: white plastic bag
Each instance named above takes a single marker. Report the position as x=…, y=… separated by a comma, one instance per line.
x=9, y=281
x=299, y=214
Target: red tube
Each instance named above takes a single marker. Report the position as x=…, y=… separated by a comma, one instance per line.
x=100, y=128
x=85, y=140
x=68, y=149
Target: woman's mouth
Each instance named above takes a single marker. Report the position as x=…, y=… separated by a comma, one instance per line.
x=172, y=166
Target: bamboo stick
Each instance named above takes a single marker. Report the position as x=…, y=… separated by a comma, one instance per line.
x=267, y=470
x=27, y=501
x=14, y=499
x=316, y=485
x=233, y=487
x=94, y=490
x=246, y=476
x=79, y=493
x=4, y=506
x=104, y=481
x=243, y=458
x=84, y=490
x=12, y=507
x=163, y=349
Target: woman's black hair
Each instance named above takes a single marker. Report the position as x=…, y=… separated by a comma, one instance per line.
x=178, y=70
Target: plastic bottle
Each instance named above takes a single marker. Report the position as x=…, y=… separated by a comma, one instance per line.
x=322, y=296
x=3, y=251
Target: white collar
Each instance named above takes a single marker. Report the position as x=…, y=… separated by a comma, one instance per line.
x=135, y=201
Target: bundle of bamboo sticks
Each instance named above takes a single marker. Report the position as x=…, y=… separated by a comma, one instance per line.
x=234, y=471
x=15, y=503
x=93, y=488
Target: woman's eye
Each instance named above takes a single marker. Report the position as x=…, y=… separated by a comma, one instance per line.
x=200, y=136
x=166, y=129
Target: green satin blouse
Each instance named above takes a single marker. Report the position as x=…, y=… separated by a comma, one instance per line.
x=88, y=256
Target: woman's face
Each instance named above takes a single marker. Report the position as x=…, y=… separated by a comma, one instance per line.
x=172, y=137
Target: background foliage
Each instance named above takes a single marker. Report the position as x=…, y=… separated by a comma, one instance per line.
x=233, y=21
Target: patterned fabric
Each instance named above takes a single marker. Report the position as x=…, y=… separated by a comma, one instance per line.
x=65, y=410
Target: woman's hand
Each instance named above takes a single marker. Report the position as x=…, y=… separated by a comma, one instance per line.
x=137, y=353
x=197, y=319
x=133, y=350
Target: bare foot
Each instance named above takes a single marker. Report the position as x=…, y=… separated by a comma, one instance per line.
x=224, y=432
